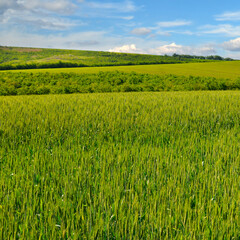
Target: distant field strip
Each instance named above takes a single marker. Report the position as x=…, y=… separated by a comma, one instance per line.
x=212, y=69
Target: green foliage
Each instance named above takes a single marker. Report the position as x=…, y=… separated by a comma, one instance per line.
x=26, y=83
x=30, y=58
x=120, y=166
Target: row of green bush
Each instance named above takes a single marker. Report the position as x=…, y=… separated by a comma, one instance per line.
x=59, y=83
x=67, y=64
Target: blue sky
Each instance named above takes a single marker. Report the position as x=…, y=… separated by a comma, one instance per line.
x=152, y=27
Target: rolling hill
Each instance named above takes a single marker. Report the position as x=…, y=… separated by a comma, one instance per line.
x=32, y=58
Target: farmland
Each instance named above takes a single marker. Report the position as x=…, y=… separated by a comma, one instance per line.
x=114, y=165
x=212, y=69
x=145, y=78
x=139, y=154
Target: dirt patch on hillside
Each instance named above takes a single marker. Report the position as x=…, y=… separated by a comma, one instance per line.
x=21, y=49
x=29, y=50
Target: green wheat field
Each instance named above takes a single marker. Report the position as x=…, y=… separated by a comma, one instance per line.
x=220, y=69
x=120, y=165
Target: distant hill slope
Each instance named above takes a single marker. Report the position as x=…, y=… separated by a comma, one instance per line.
x=34, y=58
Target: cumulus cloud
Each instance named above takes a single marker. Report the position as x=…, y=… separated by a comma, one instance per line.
x=168, y=49
x=232, y=45
x=141, y=31
x=228, y=16
x=125, y=49
x=172, y=48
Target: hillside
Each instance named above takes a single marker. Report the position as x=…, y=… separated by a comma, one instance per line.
x=31, y=58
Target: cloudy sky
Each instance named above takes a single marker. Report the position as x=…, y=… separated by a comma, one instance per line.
x=203, y=27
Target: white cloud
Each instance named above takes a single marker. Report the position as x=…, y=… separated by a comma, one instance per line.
x=100, y=40
x=233, y=55
x=164, y=33
x=172, y=48
x=28, y=18
x=127, y=18
x=56, y=14
x=232, y=45
x=168, y=49
x=4, y=5
x=228, y=16
x=80, y=40
x=170, y=32
x=116, y=16
x=224, y=29
x=176, y=23
x=86, y=43
x=127, y=6
x=125, y=49
x=160, y=28
x=57, y=6
x=141, y=31
x=37, y=14
x=187, y=32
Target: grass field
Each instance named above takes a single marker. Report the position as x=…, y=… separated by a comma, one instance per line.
x=211, y=69
x=120, y=166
